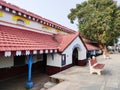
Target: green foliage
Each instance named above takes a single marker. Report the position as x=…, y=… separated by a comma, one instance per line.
x=97, y=19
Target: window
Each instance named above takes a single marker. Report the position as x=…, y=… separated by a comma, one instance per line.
x=63, y=58
x=20, y=22
x=19, y=60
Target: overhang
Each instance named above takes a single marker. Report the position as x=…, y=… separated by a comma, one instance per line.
x=14, y=41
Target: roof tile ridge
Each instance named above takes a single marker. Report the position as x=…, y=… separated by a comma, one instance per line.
x=36, y=16
x=17, y=7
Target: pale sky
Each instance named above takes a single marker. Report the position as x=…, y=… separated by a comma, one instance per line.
x=55, y=10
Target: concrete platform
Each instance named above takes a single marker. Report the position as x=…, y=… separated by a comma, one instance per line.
x=79, y=78
x=74, y=78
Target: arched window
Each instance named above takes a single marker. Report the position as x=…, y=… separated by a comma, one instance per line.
x=20, y=22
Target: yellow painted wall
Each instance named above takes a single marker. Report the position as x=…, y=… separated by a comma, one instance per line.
x=47, y=27
x=58, y=31
x=1, y=14
x=15, y=18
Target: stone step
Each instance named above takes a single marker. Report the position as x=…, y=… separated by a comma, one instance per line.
x=49, y=84
x=43, y=89
x=55, y=80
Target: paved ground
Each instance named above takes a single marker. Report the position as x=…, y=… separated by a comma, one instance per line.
x=18, y=83
x=79, y=78
x=76, y=78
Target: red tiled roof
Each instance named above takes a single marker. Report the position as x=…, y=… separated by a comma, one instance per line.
x=14, y=39
x=91, y=47
x=17, y=39
x=65, y=40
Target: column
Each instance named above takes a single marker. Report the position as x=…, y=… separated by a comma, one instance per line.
x=29, y=83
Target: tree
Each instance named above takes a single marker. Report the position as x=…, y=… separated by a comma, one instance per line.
x=97, y=19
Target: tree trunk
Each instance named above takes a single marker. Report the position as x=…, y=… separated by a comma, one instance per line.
x=103, y=47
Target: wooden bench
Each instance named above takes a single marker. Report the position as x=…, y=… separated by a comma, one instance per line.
x=95, y=67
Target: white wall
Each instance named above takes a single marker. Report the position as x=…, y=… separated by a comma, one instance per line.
x=9, y=61
x=54, y=62
x=7, y=17
x=69, y=51
x=35, y=59
x=6, y=62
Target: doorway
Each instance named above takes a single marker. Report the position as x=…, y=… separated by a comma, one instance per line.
x=75, y=57
x=44, y=62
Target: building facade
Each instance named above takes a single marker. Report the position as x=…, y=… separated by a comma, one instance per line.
x=23, y=34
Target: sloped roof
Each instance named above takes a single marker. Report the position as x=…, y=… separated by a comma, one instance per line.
x=65, y=40
x=91, y=47
x=14, y=39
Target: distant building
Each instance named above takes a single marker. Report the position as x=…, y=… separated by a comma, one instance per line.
x=52, y=46
x=92, y=47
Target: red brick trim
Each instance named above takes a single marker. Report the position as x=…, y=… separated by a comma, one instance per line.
x=82, y=62
x=50, y=70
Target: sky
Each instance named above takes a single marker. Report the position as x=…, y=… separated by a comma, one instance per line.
x=55, y=10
